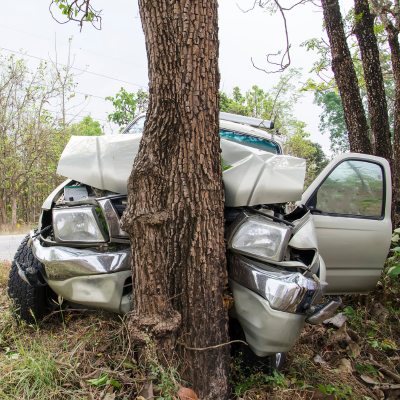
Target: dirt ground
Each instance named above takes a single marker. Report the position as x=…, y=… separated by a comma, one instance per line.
x=71, y=355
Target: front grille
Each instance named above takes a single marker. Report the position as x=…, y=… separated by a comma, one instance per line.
x=120, y=205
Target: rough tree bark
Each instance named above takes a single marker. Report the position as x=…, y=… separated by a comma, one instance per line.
x=377, y=105
x=393, y=30
x=346, y=79
x=174, y=213
x=395, y=56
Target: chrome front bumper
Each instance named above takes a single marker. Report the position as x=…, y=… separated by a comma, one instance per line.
x=267, y=331
x=285, y=291
x=271, y=305
x=67, y=262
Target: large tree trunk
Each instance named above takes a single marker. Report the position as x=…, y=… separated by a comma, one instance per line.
x=346, y=79
x=377, y=105
x=175, y=200
x=392, y=28
x=395, y=56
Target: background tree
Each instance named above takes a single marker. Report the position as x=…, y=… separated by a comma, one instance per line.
x=127, y=106
x=376, y=77
x=389, y=14
x=86, y=127
x=346, y=79
x=332, y=120
x=32, y=137
x=378, y=111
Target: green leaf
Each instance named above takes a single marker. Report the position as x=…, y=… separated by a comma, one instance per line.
x=114, y=383
x=395, y=238
x=396, y=249
x=349, y=311
x=394, y=272
x=360, y=367
x=373, y=343
x=397, y=230
x=99, y=381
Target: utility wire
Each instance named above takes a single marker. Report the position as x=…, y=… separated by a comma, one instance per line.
x=78, y=69
x=90, y=95
x=74, y=47
x=79, y=115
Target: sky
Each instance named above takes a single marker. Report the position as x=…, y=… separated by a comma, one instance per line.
x=115, y=56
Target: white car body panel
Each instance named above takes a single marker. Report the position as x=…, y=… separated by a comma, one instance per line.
x=354, y=249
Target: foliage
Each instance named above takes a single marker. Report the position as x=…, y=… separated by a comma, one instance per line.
x=78, y=10
x=393, y=262
x=232, y=106
x=275, y=104
x=127, y=106
x=332, y=120
x=326, y=91
x=33, y=134
x=298, y=145
x=86, y=127
x=341, y=392
x=245, y=378
x=167, y=377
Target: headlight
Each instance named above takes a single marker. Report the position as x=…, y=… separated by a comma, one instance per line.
x=79, y=224
x=260, y=238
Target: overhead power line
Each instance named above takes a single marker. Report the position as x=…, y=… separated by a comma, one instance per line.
x=80, y=114
x=74, y=47
x=78, y=69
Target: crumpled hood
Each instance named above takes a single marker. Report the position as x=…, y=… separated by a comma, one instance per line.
x=255, y=176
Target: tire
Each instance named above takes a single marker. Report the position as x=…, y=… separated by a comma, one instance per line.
x=249, y=360
x=28, y=303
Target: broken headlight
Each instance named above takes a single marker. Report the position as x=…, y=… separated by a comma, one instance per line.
x=79, y=224
x=260, y=238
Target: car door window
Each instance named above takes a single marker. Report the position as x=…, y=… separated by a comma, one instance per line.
x=352, y=188
x=137, y=127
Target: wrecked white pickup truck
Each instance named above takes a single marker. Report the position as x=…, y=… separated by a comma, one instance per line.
x=281, y=263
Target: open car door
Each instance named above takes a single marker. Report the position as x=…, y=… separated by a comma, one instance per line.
x=351, y=204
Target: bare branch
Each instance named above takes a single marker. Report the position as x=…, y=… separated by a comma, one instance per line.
x=79, y=11
x=285, y=60
x=250, y=9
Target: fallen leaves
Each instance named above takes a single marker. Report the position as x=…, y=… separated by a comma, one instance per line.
x=368, y=379
x=187, y=394
x=380, y=312
x=345, y=366
x=341, y=335
x=354, y=349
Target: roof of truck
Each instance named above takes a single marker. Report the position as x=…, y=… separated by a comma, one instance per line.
x=234, y=126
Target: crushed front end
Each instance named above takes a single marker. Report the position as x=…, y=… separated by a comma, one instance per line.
x=276, y=276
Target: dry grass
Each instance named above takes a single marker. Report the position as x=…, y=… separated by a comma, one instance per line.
x=377, y=360
x=24, y=229
x=60, y=357
x=71, y=356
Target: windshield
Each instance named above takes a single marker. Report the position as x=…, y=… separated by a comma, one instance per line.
x=233, y=136
x=249, y=141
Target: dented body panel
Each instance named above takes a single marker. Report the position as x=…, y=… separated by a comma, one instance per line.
x=255, y=176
